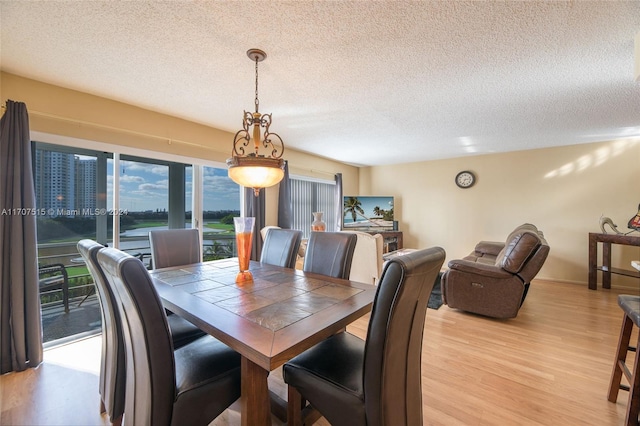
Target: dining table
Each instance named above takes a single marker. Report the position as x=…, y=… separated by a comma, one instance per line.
x=269, y=320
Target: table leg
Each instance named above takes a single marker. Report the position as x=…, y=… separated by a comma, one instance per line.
x=606, y=265
x=255, y=402
x=593, y=260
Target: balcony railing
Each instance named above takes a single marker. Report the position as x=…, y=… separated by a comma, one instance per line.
x=84, y=311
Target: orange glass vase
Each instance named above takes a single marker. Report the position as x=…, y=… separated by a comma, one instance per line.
x=244, y=237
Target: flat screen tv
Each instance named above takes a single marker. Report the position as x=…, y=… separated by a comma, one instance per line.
x=367, y=213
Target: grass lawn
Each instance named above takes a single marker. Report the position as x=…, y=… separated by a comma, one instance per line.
x=148, y=223
x=221, y=226
x=227, y=228
x=74, y=271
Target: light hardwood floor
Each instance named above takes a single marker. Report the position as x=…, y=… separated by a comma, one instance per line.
x=549, y=366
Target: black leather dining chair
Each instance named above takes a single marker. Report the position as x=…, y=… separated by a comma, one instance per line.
x=330, y=253
x=189, y=386
x=280, y=247
x=112, y=362
x=173, y=247
x=353, y=382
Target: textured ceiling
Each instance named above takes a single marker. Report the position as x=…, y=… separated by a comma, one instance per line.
x=367, y=83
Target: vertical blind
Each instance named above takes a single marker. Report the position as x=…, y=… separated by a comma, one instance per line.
x=308, y=196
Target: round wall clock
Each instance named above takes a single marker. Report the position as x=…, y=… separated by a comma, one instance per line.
x=465, y=179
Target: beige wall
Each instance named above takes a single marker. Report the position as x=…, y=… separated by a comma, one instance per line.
x=563, y=191
x=59, y=111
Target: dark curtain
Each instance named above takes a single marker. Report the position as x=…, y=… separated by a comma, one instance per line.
x=285, y=209
x=254, y=207
x=339, y=205
x=20, y=323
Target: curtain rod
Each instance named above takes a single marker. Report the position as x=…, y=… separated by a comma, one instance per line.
x=115, y=129
x=294, y=169
x=322, y=171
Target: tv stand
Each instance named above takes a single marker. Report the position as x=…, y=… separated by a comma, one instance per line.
x=391, y=240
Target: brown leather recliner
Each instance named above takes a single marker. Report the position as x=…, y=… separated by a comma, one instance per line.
x=494, y=279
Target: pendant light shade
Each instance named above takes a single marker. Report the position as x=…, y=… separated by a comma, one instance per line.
x=256, y=172
x=248, y=166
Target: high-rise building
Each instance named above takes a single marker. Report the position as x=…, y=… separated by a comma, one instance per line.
x=85, y=185
x=65, y=184
x=54, y=182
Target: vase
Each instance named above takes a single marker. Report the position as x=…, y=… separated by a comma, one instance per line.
x=318, y=224
x=244, y=236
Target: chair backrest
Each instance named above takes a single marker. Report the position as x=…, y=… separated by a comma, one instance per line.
x=330, y=253
x=172, y=247
x=281, y=247
x=263, y=231
x=112, y=366
x=393, y=349
x=366, y=265
x=150, y=371
x=524, y=252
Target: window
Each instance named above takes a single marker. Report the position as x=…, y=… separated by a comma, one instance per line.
x=153, y=195
x=76, y=192
x=308, y=196
x=221, y=202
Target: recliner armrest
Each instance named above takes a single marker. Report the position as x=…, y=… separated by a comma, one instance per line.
x=470, y=267
x=488, y=247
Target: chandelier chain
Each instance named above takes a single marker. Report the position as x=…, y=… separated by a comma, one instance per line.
x=257, y=101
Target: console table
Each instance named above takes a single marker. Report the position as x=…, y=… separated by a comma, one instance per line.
x=607, y=270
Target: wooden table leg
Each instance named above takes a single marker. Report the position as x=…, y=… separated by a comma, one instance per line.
x=255, y=402
x=593, y=261
x=606, y=265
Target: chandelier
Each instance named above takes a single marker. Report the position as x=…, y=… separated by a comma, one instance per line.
x=248, y=166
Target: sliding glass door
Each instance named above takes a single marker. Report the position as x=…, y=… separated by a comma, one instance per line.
x=83, y=193
x=71, y=204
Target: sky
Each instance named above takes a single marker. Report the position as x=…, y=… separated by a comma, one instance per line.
x=145, y=187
